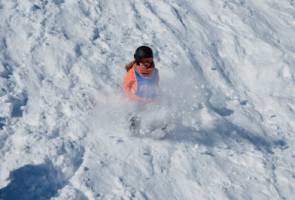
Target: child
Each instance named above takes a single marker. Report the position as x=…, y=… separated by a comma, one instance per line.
x=141, y=85
x=141, y=81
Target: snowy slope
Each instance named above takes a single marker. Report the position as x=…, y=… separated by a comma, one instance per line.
x=227, y=72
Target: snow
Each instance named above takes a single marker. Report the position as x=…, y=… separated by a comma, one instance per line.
x=227, y=81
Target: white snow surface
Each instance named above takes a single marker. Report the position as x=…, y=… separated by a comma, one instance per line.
x=227, y=70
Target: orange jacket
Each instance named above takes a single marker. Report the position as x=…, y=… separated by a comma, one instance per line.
x=131, y=82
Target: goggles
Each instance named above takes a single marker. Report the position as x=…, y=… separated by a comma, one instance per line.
x=148, y=64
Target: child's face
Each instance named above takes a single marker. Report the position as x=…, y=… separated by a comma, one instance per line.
x=146, y=66
x=147, y=63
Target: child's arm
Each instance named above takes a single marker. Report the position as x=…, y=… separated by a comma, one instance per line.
x=129, y=86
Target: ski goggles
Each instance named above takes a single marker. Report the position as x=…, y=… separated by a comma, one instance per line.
x=148, y=64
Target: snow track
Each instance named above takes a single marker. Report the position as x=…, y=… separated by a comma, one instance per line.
x=227, y=76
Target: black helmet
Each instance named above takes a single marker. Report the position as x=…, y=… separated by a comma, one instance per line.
x=143, y=52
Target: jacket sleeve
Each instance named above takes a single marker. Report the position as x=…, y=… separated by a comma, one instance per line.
x=129, y=86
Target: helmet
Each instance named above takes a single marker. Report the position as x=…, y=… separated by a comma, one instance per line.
x=143, y=52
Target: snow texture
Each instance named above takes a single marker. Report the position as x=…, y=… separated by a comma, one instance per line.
x=227, y=73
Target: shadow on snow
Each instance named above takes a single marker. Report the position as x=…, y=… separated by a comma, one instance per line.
x=225, y=133
x=33, y=182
